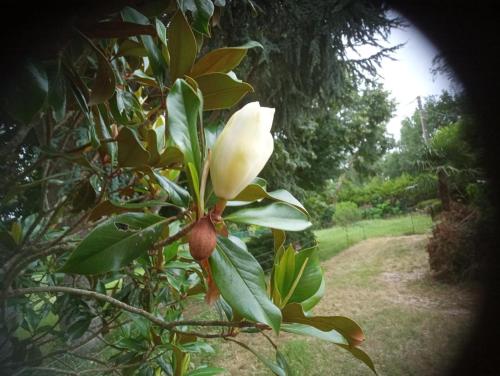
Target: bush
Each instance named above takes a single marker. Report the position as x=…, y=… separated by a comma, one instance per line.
x=455, y=246
x=346, y=213
x=401, y=194
x=321, y=212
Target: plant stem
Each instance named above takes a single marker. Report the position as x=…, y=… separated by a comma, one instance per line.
x=108, y=299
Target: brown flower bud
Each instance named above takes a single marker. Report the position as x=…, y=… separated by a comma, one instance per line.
x=202, y=239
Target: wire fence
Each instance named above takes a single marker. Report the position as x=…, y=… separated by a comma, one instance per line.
x=354, y=233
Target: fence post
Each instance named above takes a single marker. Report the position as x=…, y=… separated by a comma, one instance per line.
x=412, y=223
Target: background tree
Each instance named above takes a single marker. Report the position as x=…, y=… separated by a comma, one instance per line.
x=304, y=70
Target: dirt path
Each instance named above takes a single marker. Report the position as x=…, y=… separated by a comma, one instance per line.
x=413, y=324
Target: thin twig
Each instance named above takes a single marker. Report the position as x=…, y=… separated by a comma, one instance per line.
x=108, y=299
x=175, y=237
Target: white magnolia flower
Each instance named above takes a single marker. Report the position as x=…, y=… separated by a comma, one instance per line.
x=242, y=150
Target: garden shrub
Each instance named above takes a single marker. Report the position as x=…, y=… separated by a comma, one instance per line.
x=346, y=212
x=456, y=243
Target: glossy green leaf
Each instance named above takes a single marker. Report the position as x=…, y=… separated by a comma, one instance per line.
x=212, y=131
x=310, y=279
x=279, y=238
x=102, y=121
x=202, y=11
x=176, y=194
x=361, y=355
x=144, y=79
x=285, y=272
x=277, y=215
x=104, y=84
x=131, y=48
x=221, y=91
x=126, y=109
x=155, y=139
x=115, y=243
x=206, y=371
x=293, y=313
x=170, y=158
x=109, y=207
x=257, y=191
x=314, y=299
x=24, y=95
x=57, y=92
x=241, y=282
x=183, y=105
x=161, y=30
x=303, y=329
x=154, y=53
x=181, y=46
x=222, y=60
x=131, y=152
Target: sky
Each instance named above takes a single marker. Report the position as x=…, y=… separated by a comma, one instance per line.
x=409, y=75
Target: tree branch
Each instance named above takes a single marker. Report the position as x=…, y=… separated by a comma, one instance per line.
x=175, y=237
x=108, y=299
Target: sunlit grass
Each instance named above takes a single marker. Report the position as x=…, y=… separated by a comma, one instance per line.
x=334, y=240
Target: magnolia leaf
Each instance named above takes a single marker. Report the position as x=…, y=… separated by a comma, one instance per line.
x=171, y=157
x=361, y=355
x=104, y=133
x=202, y=11
x=24, y=95
x=241, y=282
x=109, y=207
x=257, y=191
x=206, y=371
x=314, y=299
x=310, y=279
x=303, y=329
x=279, y=238
x=115, y=243
x=57, y=92
x=222, y=60
x=277, y=215
x=155, y=139
x=293, y=313
x=131, y=153
x=176, y=194
x=104, y=84
x=181, y=46
x=183, y=105
x=331, y=336
x=221, y=91
x=154, y=53
x=131, y=48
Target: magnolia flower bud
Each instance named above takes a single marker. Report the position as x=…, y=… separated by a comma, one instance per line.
x=241, y=150
x=202, y=239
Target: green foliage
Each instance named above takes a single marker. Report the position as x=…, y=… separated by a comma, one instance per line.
x=304, y=72
x=380, y=198
x=438, y=112
x=346, y=213
x=118, y=158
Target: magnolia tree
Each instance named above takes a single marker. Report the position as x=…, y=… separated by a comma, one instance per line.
x=137, y=180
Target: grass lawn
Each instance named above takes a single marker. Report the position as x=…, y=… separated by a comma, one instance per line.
x=334, y=240
x=413, y=324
